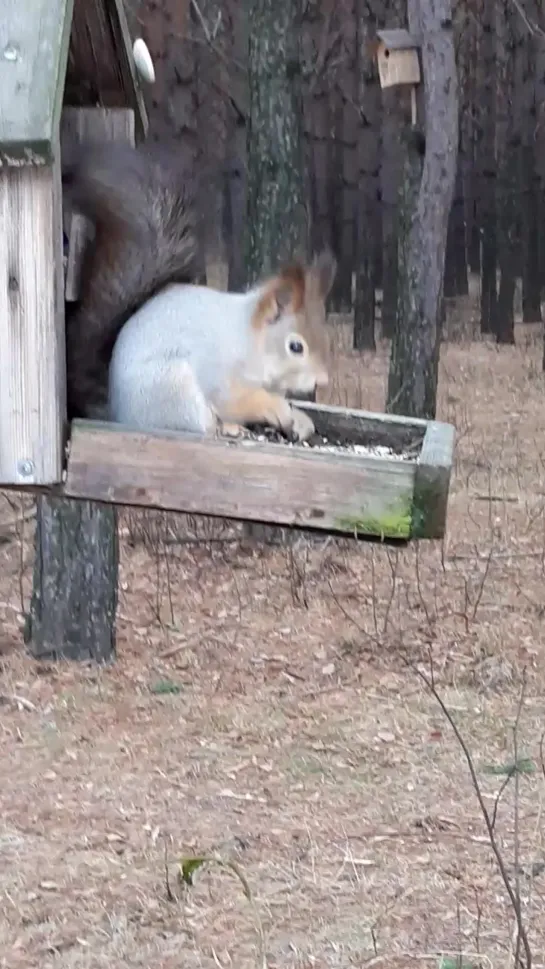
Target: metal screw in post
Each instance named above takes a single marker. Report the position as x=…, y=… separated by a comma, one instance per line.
x=26, y=468
x=10, y=53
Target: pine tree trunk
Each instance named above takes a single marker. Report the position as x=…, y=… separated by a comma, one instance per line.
x=427, y=198
x=468, y=60
x=487, y=170
x=367, y=214
x=277, y=222
x=531, y=281
x=390, y=187
x=507, y=139
x=235, y=175
x=334, y=195
x=74, y=598
x=538, y=14
x=489, y=294
x=234, y=202
x=393, y=14
x=456, y=283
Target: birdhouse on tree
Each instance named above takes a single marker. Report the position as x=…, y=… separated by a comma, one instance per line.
x=68, y=71
x=397, y=58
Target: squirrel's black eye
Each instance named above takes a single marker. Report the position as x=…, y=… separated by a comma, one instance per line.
x=296, y=347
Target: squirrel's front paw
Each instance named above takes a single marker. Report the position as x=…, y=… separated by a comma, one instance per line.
x=293, y=422
x=302, y=427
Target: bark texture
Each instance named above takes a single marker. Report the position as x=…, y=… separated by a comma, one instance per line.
x=412, y=384
x=487, y=172
x=508, y=142
x=367, y=216
x=277, y=218
x=74, y=598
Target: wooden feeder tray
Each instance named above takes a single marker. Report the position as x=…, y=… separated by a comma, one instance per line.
x=363, y=475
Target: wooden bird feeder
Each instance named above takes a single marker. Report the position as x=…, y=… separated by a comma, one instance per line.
x=59, y=59
x=397, y=58
x=68, y=72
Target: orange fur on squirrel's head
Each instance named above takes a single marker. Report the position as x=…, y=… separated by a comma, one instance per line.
x=290, y=319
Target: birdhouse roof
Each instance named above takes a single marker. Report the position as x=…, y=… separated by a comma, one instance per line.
x=52, y=48
x=397, y=39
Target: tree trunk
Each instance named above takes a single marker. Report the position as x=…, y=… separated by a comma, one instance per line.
x=234, y=202
x=489, y=293
x=539, y=134
x=507, y=141
x=508, y=245
x=531, y=281
x=235, y=161
x=277, y=222
x=412, y=384
x=390, y=176
x=456, y=283
x=392, y=14
x=469, y=59
x=341, y=292
x=487, y=171
x=74, y=598
x=367, y=214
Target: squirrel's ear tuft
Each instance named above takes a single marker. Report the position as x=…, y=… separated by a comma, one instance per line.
x=289, y=288
x=323, y=270
x=284, y=293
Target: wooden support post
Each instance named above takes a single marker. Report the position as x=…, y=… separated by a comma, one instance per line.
x=32, y=385
x=74, y=598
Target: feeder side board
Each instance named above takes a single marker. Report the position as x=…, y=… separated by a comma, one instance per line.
x=33, y=54
x=32, y=358
x=262, y=482
x=363, y=427
x=431, y=488
x=80, y=125
x=124, y=41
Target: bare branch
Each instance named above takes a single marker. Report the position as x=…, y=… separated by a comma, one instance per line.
x=531, y=27
x=514, y=895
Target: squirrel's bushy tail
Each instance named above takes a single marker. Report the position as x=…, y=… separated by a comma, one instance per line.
x=144, y=238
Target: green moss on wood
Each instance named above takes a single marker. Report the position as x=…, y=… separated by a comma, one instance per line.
x=395, y=522
x=428, y=509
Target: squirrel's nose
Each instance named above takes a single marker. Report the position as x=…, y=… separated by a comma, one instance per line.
x=322, y=379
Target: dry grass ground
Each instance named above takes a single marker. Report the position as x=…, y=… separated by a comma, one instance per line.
x=262, y=707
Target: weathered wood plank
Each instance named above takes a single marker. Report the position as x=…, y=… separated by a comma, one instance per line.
x=132, y=83
x=267, y=483
x=87, y=124
x=96, y=124
x=78, y=237
x=433, y=472
x=33, y=55
x=32, y=359
x=101, y=68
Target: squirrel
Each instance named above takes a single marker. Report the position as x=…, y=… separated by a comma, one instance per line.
x=150, y=348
